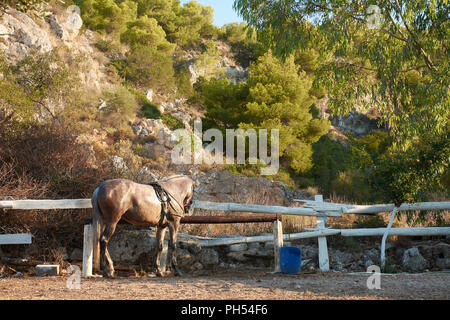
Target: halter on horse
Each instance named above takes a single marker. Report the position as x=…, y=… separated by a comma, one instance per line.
x=160, y=204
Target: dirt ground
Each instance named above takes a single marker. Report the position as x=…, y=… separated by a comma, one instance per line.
x=226, y=285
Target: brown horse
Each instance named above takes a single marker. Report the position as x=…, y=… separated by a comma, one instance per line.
x=138, y=204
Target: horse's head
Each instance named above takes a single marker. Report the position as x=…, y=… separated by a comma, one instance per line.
x=187, y=202
x=181, y=187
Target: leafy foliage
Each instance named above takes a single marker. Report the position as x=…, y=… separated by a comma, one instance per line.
x=107, y=16
x=21, y=5
x=400, y=67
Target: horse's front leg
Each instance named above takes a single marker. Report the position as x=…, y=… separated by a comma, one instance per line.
x=160, y=232
x=173, y=228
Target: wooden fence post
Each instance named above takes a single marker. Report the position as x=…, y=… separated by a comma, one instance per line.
x=87, y=251
x=324, y=263
x=277, y=242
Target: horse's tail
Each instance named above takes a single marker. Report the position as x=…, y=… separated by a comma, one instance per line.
x=97, y=228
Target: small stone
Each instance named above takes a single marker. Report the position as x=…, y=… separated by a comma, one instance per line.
x=238, y=247
x=237, y=255
x=368, y=263
x=77, y=254
x=196, y=266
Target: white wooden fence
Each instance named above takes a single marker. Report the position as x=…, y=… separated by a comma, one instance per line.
x=321, y=210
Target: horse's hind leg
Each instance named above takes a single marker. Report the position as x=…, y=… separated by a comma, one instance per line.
x=160, y=233
x=106, y=263
x=173, y=228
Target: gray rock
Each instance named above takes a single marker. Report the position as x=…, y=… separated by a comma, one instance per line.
x=237, y=256
x=184, y=257
x=443, y=263
x=209, y=257
x=368, y=263
x=254, y=246
x=237, y=247
x=26, y=36
x=356, y=123
x=196, y=266
x=118, y=163
x=268, y=245
x=341, y=258
x=194, y=248
x=149, y=94
x=76, y=255
x=57, y=27
x=372, y=254
x=413, y=261
x=308, y=252
x=128, y=245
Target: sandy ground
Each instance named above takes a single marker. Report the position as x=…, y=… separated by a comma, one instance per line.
x=255, y=285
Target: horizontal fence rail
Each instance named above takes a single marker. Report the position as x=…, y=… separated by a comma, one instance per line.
x=377, y=208
x=46, y=204
x=18, y=238
x=429, y=231
x=311, y=208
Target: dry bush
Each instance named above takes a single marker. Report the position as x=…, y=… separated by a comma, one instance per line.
x=43, y=161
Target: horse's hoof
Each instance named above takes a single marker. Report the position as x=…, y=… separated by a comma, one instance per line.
x=109, y=275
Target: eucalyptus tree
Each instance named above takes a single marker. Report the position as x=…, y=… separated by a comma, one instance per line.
x=391, y=56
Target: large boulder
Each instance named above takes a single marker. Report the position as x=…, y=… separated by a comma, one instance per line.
x=20, y=34
x=437, y=254
x=355, y=123
x=209, y=257
x=223, y=186
x=413, y=261
x=131, y=246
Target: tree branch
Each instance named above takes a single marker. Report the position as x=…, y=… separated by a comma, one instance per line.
x=418, y=46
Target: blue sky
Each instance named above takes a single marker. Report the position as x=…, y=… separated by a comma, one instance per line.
x=223, y=11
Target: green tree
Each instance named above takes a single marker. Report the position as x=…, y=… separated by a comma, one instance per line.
x=398, y=65
x=279, y=99
x=107, y=15
x=193, y=21
x=148, y=68
x=39, y=82
x=149, y=61
x=146, y=32
x=224, y=101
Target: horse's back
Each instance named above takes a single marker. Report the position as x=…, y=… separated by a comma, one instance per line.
x=122, y=198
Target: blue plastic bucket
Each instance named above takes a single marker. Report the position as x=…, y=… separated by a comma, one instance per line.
x=290, y=259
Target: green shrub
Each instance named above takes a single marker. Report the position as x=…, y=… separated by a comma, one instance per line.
x=146, y=32
x=147, y=67
x=183, y=82
x=121, y=106
x=224, y=101
x=148, y=108
x=206, y=63
x=172, y=122
x=107, y=46
x=330, y=157
x=354, y=185
x=107, y=15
